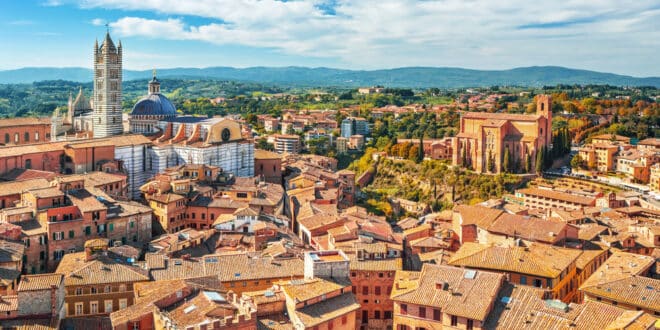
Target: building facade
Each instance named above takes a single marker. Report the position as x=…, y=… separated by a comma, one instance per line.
x=484, y=138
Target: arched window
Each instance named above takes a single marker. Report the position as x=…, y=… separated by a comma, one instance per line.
x=542, y=106
x=6, y=137
x=16, y=138
x=28, y=164
x=36, y=136
x=27, y=137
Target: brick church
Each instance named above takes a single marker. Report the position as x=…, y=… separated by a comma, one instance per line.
x=484, y=138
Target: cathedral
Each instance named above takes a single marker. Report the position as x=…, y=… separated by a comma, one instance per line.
x=484, y=138
x=174, y=139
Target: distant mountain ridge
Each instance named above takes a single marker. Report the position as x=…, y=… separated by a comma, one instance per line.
x=414, y=77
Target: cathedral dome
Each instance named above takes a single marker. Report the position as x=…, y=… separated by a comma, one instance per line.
x=154, y=105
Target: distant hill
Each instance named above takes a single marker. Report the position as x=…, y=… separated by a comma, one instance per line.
x=415, y=77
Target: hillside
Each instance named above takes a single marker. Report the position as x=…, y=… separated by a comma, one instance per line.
x=412, y=77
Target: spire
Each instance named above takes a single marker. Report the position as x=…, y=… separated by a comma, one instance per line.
x=154, y=84
x=107, y=43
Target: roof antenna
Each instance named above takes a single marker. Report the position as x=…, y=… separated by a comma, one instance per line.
x=107, y=27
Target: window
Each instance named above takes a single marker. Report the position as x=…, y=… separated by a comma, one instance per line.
x=79, y=308
x=354, y=289
x=436, y=314
x=377, y=315
x=122, y=288
x=422, y=312
x=27, y=242
x=88, y=230
x=16, y=138
x=365, y=290
x=136, y=325
x=107, y=289
x=538, y=283
x=387, y=315
x=26, y=137
x=108, y=306
x=71, y=234
x=523, y=279
x=454, y=320
x=470, y=324
x=377, y=290
x=94, y=307
x=42, y=255
x=79, y=291
x=241, y=195
x=111, y=227
x=58, y=236
x=36, y=136
x=131, y=224
x=404, y=309
x=6, y=137
x=353, y=274
x=93, y=289
x=123, y=303
x=28, y=164
x=58, y=254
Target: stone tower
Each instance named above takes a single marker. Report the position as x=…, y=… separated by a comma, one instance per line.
x=544, y=109
x=107, y=88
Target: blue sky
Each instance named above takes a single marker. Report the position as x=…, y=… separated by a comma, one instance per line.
x=601, y=35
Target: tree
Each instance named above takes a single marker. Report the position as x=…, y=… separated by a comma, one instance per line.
x=413, y=153
x=491, y=162
x=506, y=163
x=539, y=160
x=528, y=163
x=420, y=151
x=577, y=162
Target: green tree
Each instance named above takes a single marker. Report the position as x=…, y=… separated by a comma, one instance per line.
x=539, y=160
x=491, y=162
x=506, y=163
x=528, y=163
x=420, y=151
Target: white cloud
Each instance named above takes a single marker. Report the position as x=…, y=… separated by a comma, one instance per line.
x=98, y=22
x=389, y=33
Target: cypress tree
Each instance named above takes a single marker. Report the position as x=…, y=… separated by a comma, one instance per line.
x=506, y=163
x=528, y=163
x=539, y=160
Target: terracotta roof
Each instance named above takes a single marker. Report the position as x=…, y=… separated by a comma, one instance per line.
x=24, y=121
x=11, y=251
x=389, y=264
x=47, y=192
x=306, y=289
x=527, y=228
x=564, y=197
x=77, y=271
x=537, y=259
x=328, y=309
x=501, y=116
x=265, y=154
x=477, y=215
x=618, y=266
x=21, y=174
x=462, y=292
x=521, y=307
x=8, y=304
x=40, y=282
x=637, y=291
x=650, y=142
x=85, y=200
x=229, y=267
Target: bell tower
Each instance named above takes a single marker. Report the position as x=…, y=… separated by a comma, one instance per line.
x=544, y=109
x=107, y=97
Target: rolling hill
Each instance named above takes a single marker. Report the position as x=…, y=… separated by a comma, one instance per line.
x=415, y=77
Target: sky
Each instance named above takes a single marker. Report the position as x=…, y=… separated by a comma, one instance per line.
x=602, y=35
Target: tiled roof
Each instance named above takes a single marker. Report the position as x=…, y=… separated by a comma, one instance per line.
x=39, y=282
x=21, y=174
x=637, y=291
x=8, y=304
x=477, y=215
x=326, y=310
x=521, y=307
x=230, y=267
x=306, y=289
x=619, y=265
x=85, y=200
x=265, y=154
x=537, y=259
x=501, y=116
x=462, y=292
x=389, y=264
x=24, y=121
x=528, y=228
x=47, y=192
x=77, y=271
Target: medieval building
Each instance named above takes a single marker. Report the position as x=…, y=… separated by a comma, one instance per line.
x=485, y=138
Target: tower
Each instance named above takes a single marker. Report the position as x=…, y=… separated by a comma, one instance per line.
x=544, y=109
x=107, y=88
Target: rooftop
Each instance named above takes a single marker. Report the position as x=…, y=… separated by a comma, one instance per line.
x=537, y=259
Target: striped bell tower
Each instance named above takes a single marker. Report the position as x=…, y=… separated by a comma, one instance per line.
x=107, y=88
